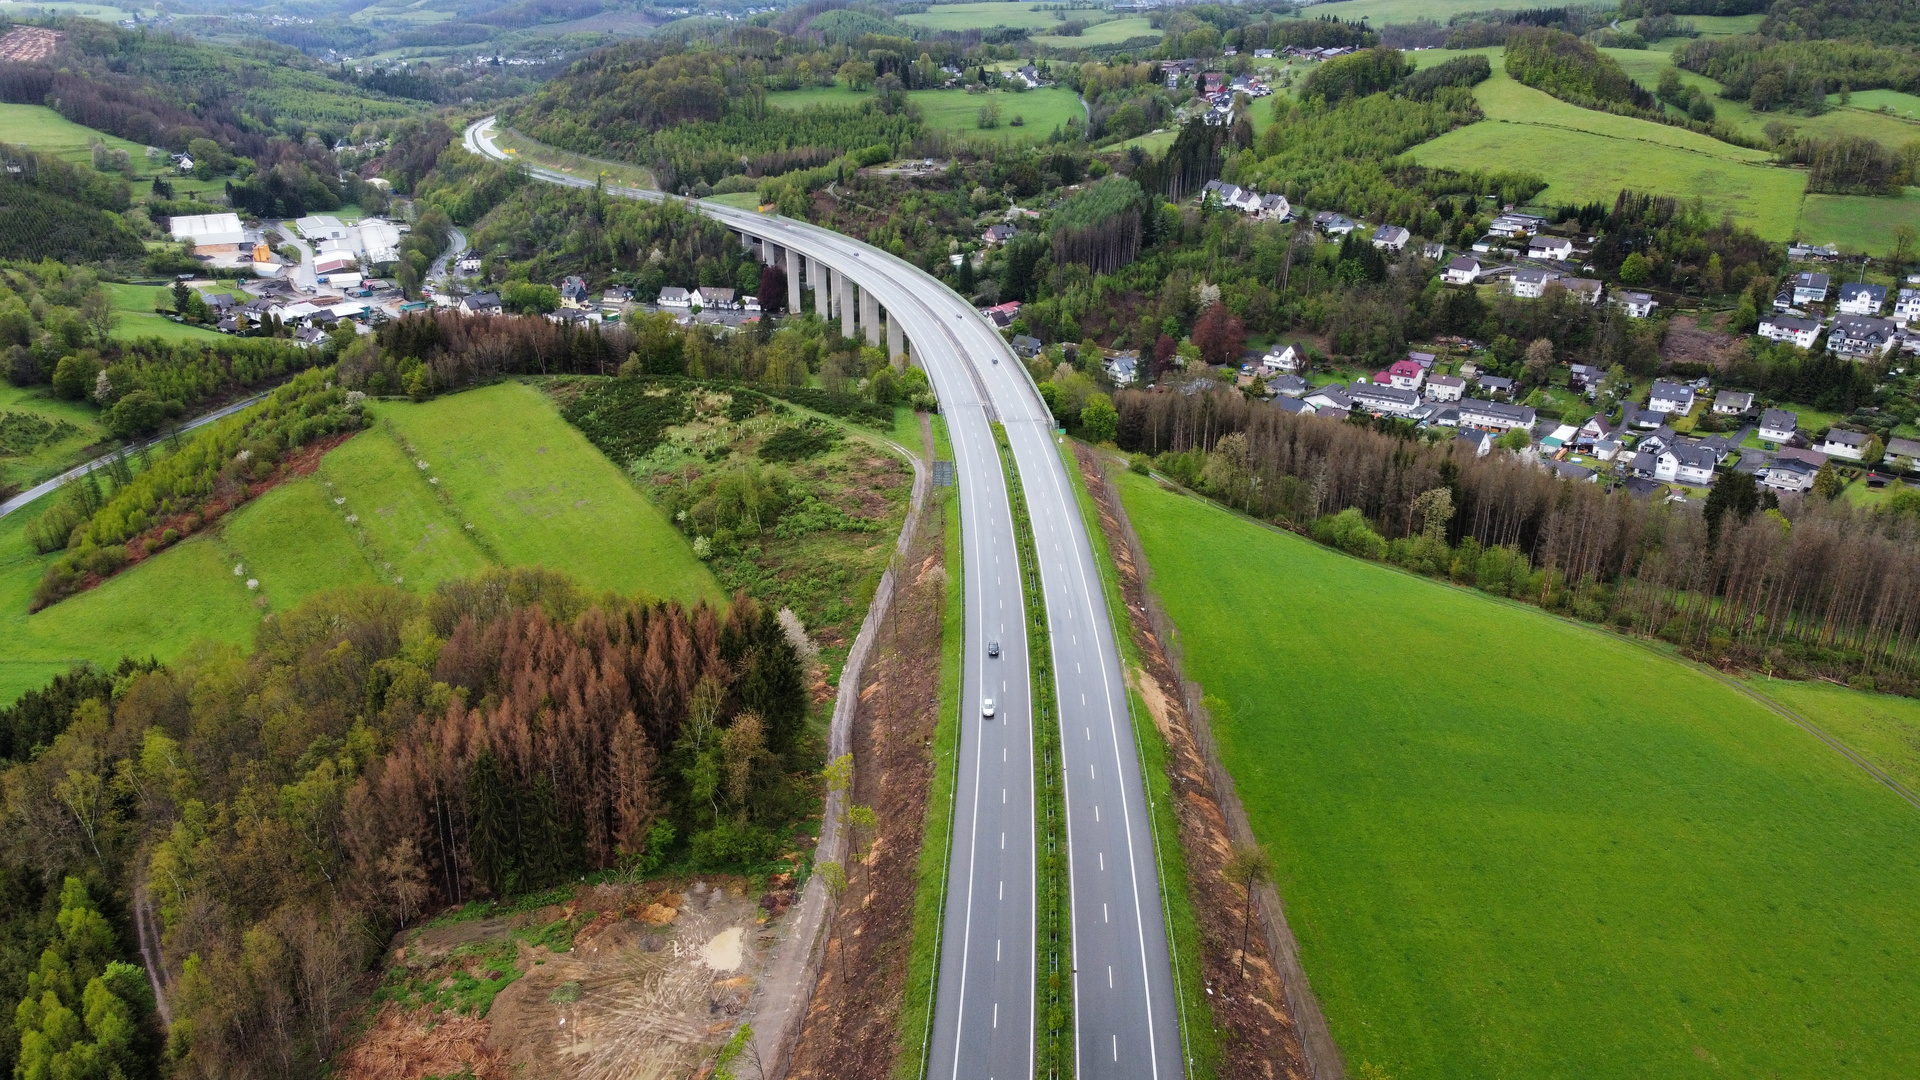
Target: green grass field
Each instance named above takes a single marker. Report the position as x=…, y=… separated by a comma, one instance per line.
x=134, y=317
x=1857, y=222
x=1884, y=728
x=63, y=444
x=538, y=153
x=1587, y=155
x=1891, y=129
x=533, y=488
x=537, y=493
x=1391, y=12
x=1514, y=846
x=959, y=112
x=985, y=15
x=1111, y=32
x=40, y=128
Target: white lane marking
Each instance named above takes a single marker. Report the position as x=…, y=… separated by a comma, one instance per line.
x=1003, y=841
x=1116, y=1044
x=1104, y=913
x=1089, y=734
x=1103, y=855
x=1090, y=774
x=1109, y=976
x=1003, y=801
x=996, y=950
x=996, y=1015
x=1003, y=888
x=1096, y=806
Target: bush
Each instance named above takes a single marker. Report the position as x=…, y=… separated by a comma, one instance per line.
x=798, y=443
x=1348, y=530
x=733, y=844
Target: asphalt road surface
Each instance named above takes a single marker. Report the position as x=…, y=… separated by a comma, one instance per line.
x=1125, y=1007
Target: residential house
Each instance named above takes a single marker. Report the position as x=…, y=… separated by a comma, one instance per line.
x=1479, y=443
x=674, y=296
x=1787, y=474
x=1331, y=398
x=1668, y=397
x=1840, y=442
x=1804, y=252
x=1293, y=405
x=1026, y=346
x=1334, y=224
x=1275, y=208
x=1861, y=336
x=1494, y=414
x=1810, y=288
x=1732, y=402
x=1403, y=374
x=1212, y=82
x=713, y=298
x=573, y=293
x=1515, y=224
x=1586, y=290
x=1122, y=368
x=1906, y=309
x=1606, y=449
x=1263, y=54
x=1904, y=448
x=1686, y=463
x=1642, y=464
x=1776, y=425
x=1858, y=298
x=1584, y=377
x=1531, y=284
x=998, y=234
x=750, y=302
x=1391, y=238
x=1567, y=470
x=1596, y=429
x=1485, y=244
x=1557, y=248
x=1287, y=359
x=1637, y=305
x=615, y=299
x=1464, y=270
x=1288, y=385
x=485, y=303
x=1384, y=400
x=1433, y=251
x=1446, y=387
x=1496, y=386
x=1801, y=332
x=1029, y=75
x=1002, y=315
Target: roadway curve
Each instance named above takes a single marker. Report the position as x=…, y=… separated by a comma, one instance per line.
x=1125, y=1006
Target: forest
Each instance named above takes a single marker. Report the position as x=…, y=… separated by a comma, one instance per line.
x=275, y=816
x=1810, y=586
x=52, y=209
x=1798, y=75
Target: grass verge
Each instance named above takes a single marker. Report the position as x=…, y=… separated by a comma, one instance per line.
x=1197, y=1030
x=936, y=838
x=1053, y=900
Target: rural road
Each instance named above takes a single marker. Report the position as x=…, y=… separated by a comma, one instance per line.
x=1125, y=1006
x=440, y=275
x=102, y=461
x=303, y=276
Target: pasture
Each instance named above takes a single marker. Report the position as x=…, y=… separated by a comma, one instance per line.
x=958, y=112
x=983, y=16
x=533, y=489
x=1857, y=222
x=40, y=434
x=1511, y=845
x=1889, y=128
x=40, y=128
x=1391, y=12
x=134, y=316
x=1111, y=32
x=1587, y=155
x=1884, y=728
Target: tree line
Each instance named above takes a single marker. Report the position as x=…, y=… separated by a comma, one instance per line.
x=1807, y=585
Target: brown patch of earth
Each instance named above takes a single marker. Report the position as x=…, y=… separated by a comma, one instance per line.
x=1689, y=342
x=27, y=44
x=1258, y=1037
x=851, y=1030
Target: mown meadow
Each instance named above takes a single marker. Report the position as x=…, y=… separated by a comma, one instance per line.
x=505, y=481
x=1515, y=846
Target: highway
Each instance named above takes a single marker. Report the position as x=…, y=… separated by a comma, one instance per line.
x=1125, y=1014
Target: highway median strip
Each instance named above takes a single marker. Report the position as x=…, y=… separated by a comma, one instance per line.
x=1053, y=900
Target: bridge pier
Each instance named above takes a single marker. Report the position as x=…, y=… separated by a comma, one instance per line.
x=870, y=316
x=896, y=340
x=822, y=294
x=843, y=300
x=793, y=282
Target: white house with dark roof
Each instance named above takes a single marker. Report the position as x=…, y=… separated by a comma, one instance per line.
x=1494, y=414
x=1496, y=385
x=1329, y=398
x=1840, y=442
x=1385, y=400
x=1686, y=463
x=1776, y=425
x=1446, y=387
x=1275, y=208
x=1637, y=305
x=1531, y=284
x=1906, y=308
x=674, y=296
x=1732, y=402
x=485, y=303
x=1801, y=332
x=1861, y=336
x=714, y=298
x=1669, y=397
x=1587, y=290
x=1557, y=248
x=1810, y=288
x=1391, y=238
x=1858, y=298
x=1464, y=270
x=1787, y=474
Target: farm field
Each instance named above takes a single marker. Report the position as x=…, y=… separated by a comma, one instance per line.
x=1587, y=155
x=1111, y=32
x=40, y=128
x=986, y=15
x=959, y=112
x=1889, y=129
x=535, y=491
x=61, y=430
x=134, y=317
x=1514, y=846
x=1857, y=222
x=1884, y=728
x=1391, y=12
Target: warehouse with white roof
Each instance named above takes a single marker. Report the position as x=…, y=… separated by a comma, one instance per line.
x=210, y=234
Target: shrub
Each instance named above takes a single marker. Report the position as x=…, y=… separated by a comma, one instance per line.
x=1348, y=530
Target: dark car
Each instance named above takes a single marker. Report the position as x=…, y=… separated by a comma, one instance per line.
x=993, y=648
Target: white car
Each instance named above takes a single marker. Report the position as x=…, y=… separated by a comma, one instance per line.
x=986, y=708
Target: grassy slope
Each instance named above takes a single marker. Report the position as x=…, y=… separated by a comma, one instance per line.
x=40, y=128
x=1111, y=32
x=535, y=490
x=1513, y=846
x=958, y=111
x=48, y=458
x=980, y=16
x=539, y=494
x=1389, y=12
x=134, y=316
x=1587, y=155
